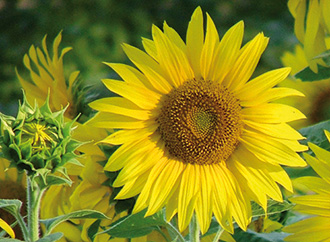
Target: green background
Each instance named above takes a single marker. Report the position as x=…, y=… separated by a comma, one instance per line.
x=96, y=29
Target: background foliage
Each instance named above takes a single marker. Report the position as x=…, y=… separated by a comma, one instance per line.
x=96, y=29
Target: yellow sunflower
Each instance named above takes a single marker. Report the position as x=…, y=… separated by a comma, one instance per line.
x=312, y=24
x=316, y=103
x=315, y=228
x=196, y=135
x=12, y=186
x=47, y=75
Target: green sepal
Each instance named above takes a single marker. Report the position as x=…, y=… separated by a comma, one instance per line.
x=38, y=139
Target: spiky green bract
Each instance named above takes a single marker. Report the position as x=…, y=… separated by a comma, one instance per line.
x=38, y=141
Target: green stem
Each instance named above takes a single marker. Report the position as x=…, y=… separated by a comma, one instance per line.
x=218, y=235
x=23, y=227
x=194, y=230
x=173, y=230
x=34, y=194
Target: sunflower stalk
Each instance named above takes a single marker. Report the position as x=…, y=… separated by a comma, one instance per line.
x=173, y=230
x=34, y=195
x=194, y=230
x=218, y=235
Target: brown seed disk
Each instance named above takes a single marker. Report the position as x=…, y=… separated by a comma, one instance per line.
x=200, y=122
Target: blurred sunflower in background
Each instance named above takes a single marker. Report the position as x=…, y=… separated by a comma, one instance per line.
x=12, y=186
x=47, y=76
x=196, y=135
x=312, y=24
x=316, y=227
x=316, y=103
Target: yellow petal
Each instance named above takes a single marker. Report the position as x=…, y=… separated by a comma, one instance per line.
x=246, y=63
x=279, y=130
x=188, y=194
x=171, y=58
x=307, y=230
x=115, y=121
x=142, y=97
x=7, y=228
x=272, y=113
x=227, y=52
x=124, y=136
x=165, y=185
x=121, y=106
x=270, y=150
x=120, y=157
x=150, y=48
x=262, y=83
x=195, y=40
x=315, y=184
x=319, y=166
x=209, y=48
x=144, y=197
x=204, y=201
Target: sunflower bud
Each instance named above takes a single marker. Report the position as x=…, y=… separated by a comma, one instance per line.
x=38, y=141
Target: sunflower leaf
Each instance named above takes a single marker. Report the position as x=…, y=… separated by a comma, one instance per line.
x=273, y=208
x=315, y=134
x=252, y=236
x=308, y=75
x=136, y=225
x=51, y=237
x=51, y=223
x=325, y=56
x=12, y=206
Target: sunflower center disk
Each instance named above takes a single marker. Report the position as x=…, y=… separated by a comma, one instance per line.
x=200, y=122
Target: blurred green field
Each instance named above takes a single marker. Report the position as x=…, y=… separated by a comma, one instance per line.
x=96, y=29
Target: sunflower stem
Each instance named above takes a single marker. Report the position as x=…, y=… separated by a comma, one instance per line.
x=34, y=194
x=194, y=230
x=173, y=230
x=218, y=235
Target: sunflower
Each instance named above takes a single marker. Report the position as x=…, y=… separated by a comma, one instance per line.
x=315, y=228
x=12, y=186
x=48, y=76
x=196, y=135
x=312, y=24
x=316, y=103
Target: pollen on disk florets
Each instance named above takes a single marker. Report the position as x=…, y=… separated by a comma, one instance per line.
x=200, y=122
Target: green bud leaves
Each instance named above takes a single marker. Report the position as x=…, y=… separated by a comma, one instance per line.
x=38, y=140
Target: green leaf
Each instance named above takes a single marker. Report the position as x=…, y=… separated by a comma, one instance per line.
x=315, y=134
x=136, y=225
x=51, y=237
x=273, y=208
x=12, y=206
x=93, y=229
x=81, y=214
x=57, y=180
x=325, y=56
x=308, y=75
x=252, y=236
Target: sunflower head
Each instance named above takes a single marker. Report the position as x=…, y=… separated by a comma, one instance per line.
x=197, y=133
x=48, y=78
x=37, y=140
